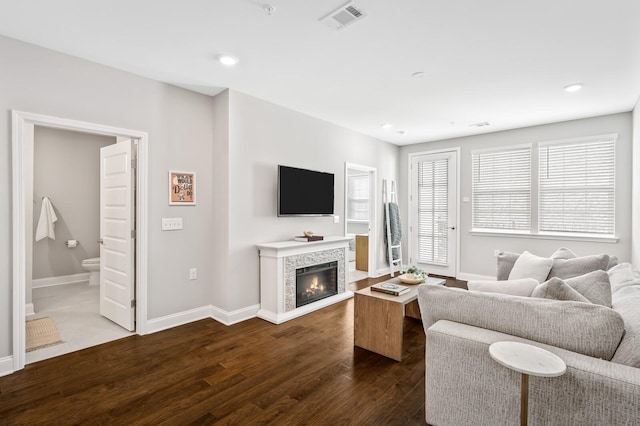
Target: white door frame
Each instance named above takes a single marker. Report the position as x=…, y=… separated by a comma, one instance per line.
x=373, y=219
x=21, y=123
x=457, y=195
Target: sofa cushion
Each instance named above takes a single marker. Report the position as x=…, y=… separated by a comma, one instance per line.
x=531, y=266
x=627, y=302
x=564, y=253
x=569, y=268
x=585, y=328
x=557, y=289
x=594, y=286
x=521, y=287
x=621, y=276
x=505, y=261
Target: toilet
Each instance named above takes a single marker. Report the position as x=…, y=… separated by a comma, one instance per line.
x=93, y=266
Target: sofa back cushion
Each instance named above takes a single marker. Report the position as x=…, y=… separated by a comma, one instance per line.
x=569, y=268
x=588, y=329
x=626, y=302
x=623, y=275
x=505, y=260
x=595, y=286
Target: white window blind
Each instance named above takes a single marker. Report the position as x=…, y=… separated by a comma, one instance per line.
x=358, y=197
x=502, y=189
x=433, y=203
x=577, y=187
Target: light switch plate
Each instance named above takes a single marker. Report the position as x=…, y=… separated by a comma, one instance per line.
x=171, y=223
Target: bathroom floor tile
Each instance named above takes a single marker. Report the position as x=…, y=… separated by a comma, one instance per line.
x=76, y=310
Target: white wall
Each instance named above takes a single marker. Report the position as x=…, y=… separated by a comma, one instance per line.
x=477, y=252
x=635, y=247
x=261, y=136
x=180, y=127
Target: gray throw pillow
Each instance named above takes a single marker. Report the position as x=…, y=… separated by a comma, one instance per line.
x=557, y=289
x=569, y=268
x=595, y=286
x=506, y=260
x=563, y=253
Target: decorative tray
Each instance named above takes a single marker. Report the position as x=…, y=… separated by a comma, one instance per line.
x=412, y=278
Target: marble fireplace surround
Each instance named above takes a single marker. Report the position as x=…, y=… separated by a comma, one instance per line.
x=278, y=264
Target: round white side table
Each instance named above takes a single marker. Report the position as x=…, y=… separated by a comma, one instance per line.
x=528, y=360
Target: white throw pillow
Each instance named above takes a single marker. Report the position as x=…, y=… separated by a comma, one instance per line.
x=531, y=266
x=522, y=287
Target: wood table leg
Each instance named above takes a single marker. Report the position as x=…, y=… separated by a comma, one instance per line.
x=378, y=325
x=524, y=400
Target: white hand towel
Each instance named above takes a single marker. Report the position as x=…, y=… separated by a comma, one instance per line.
x=47, y=221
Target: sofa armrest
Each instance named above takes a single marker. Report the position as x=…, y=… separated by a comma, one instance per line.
x=465, y=386
x=585, y=328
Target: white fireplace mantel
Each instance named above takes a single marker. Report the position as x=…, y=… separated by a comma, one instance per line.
x=278, y=262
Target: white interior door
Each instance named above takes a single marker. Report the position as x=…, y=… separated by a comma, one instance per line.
x=433, y=204
x=117, y=272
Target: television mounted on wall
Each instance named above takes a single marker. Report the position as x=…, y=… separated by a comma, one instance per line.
x=303, y=192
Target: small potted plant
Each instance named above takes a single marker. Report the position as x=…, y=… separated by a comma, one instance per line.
x=414, y=275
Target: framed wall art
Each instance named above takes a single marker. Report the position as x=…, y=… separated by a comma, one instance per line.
x=182, y=188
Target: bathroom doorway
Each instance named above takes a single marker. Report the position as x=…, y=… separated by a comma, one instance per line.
x=66, y=293
x=360, y=220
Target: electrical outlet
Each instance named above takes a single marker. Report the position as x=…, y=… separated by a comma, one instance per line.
x=171, y=223
x=336, y=219
x=193, y=273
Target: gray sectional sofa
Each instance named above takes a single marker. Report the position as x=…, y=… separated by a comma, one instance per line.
x=599, y=344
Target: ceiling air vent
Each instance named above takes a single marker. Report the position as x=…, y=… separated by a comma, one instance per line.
x=343, y=16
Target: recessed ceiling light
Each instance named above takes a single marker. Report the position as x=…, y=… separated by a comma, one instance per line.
x=386, y=126
x=418, y=74
x=573, y=87
x=228, y=60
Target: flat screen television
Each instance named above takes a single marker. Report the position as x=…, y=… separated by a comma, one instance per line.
x=303, y=192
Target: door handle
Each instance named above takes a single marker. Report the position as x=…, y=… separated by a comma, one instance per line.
x=453, y=228
x=100, y=241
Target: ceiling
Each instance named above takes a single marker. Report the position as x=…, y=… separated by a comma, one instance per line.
x=503, y=62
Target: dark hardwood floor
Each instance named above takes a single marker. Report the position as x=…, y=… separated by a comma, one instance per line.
x=305, y=371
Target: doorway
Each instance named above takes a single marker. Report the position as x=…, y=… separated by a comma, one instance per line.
x=23, y=126
x=433, y=212
x=360, y=221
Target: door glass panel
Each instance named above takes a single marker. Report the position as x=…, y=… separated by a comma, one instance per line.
x=433, y=202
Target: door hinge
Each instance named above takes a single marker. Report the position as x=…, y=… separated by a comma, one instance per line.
x=134, y=163
x=133, y=233
x=133, y=303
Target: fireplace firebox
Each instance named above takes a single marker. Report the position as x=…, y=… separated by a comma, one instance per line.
x=316, y=282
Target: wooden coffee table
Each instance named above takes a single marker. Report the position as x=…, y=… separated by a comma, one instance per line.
x=379, y=318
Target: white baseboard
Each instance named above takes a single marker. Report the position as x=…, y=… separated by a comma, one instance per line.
x=62, y=280
x=6, y=366
x=29, y=310
x=180, y=318
x=474, y=277
x=234, y=317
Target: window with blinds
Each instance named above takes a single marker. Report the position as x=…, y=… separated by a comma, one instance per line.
x=433, y=202
x=358, y=197
x=577, y=187
x=502, y=189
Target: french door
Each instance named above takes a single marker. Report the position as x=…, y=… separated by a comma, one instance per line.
x=433, y=212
